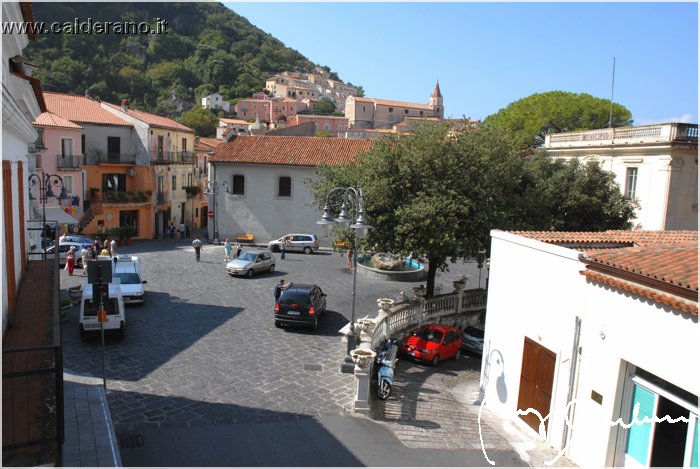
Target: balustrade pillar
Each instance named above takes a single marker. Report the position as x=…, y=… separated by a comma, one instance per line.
x=362, y=381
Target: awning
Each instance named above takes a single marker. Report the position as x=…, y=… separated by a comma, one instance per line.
x=59, y=215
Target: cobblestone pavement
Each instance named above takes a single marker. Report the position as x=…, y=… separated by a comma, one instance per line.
x=203, y=349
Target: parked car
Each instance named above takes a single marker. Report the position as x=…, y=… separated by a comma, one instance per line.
x=299, y=242
x=473, y=339
x=433, y=342
x=300, y=304
x=63, y=251
x=128, y=271
x=88, y=322
x=251, y=262
x=82, y=240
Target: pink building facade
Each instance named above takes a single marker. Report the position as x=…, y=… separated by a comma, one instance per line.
x=331, y=124
x=269, y=110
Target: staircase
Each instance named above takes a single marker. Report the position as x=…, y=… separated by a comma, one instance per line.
x=88, y=215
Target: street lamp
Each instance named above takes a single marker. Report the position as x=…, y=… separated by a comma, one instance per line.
x=352, y=200
x=45, y=181
x=213, y=189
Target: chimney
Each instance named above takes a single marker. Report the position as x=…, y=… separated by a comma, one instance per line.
x=125, y=105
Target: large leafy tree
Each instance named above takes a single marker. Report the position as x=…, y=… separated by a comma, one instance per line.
x=431, y=194
x=530, y=119
x=202, y=121
x=324, y=106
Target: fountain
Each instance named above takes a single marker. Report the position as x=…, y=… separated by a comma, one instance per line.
x=384, y=266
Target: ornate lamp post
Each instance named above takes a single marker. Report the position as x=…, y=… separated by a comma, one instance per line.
x=213, y=189
x=352, y=199
x=45, y=181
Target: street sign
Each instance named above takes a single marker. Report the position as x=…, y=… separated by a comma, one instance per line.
x=210, y=214
x=99, y=271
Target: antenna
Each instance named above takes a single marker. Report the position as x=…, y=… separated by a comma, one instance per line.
x=612, y=94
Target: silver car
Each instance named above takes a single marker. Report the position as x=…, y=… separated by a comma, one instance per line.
x=299, y=242
x=251, y=262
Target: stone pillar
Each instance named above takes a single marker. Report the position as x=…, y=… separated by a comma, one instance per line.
x=362, y=379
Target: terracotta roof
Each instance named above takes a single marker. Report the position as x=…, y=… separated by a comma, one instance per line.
x=49, y=119
x=386, y=102
x=611, y=238
x=233, y=121
x=81, y=109
x=672, y=264
x=208, y=142
x=152, y=119
x=652, y=294
x=295, y=151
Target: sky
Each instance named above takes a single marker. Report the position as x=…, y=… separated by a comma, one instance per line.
x=488, y=55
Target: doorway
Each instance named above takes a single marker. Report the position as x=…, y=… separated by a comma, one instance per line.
x=536, y=380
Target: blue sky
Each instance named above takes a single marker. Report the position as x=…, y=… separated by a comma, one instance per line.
x=487, y=55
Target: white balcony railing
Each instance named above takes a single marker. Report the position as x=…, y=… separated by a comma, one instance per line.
x=661, y=133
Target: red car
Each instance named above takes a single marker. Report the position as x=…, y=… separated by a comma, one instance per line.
x=433, y=342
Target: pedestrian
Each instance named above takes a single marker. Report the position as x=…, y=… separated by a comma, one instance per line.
x=197, y=245
x=279, y=288
x=182, y=230
x=238, y=249
x=63, y=238
x=402, y=298
x=113, y=248
x=85, y=256
x=70, y=261
x=227, y=250
x=95, y=248
x=283, y=248
x=104, y=252
x=351, y=254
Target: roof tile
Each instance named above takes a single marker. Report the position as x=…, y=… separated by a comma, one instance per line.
x=49, y=119
x=81, y=109
x=295, y=151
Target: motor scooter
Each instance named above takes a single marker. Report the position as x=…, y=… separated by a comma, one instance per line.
x=386, y=361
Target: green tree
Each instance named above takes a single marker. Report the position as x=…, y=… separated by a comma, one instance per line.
x=531, y=118
x=202, y=121
x=322, y=133
x=325, y=105
x=431, y=194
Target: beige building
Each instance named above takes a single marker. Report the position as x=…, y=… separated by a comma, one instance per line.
x=370, y=113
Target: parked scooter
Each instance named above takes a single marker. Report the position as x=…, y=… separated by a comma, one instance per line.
x=386, y=361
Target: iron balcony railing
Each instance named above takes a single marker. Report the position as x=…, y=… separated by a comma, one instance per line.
x=111, y=158
x=172, y=157
x=69, y=161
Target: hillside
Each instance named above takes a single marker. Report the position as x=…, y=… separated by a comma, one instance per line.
x=207, y=48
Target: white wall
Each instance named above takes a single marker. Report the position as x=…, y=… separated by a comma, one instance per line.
x=536, y=290
x=260, y=211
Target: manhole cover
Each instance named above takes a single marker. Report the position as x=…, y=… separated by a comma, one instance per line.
x=312, y=367
x=133, y=441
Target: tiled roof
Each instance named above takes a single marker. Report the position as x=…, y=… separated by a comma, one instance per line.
x=81, y=109
x=436, y=91
x=386, y=102
x=672, y=264
x=611, y=238
x=152, y=119
x=207, y=143
x=233, y=121
x=296, y=151
x=49, y=119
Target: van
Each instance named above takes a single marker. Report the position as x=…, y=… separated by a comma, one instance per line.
x=114, y=305
x=128, y=270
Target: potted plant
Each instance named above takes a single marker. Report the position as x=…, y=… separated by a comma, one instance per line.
x=362, y=357
x=64, y=304
x=460, y=282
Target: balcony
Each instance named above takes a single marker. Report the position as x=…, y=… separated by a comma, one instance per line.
x=111, y=158
x=162, y=197
x=69, y=161
x=172, y=157
x=646, y=134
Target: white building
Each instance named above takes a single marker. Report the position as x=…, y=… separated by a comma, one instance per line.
x=603, y=330
x=266, y=176
x=216, y=101
x=22, y=102
x=655, y=164
x=229, y=127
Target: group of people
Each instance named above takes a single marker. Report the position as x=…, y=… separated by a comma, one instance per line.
x=183, y=230
x=109, y=248
x=228, y=248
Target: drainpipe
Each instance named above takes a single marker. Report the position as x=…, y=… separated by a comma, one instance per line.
x=573, y=380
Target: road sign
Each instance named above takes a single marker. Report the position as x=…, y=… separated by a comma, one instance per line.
x=99, y=271
x=210, y=214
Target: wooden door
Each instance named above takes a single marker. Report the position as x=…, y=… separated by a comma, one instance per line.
x=536, y=379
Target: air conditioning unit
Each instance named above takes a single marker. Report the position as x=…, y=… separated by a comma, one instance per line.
x=131, y=172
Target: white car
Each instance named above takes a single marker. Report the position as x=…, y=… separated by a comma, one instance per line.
x=251, y=262
x=113, y=305
x=299, y=242
x=128, y=270
x=63, y=252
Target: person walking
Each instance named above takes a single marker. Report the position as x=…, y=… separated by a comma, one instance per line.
x=182, y=230
x=113, y=248
x=351, y=254
x=85, y=256
x=283, y=248
x=279, y=288
x=70, y=261
x=227, y=250
x=238, y=249
x=197, y=245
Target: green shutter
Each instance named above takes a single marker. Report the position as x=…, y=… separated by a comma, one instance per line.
x=694, y=458
x=640, y=434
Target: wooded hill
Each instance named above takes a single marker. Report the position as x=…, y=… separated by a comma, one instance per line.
x=208, y=48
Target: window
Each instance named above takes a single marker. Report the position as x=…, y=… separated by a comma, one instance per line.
x=113, y=183
x=82, y=143
x=66, y=147
x=184, y=144
x=421, y=113
x=174, y=187
x=405, y=111
x=391, y=109
x=238, y=184
x=40, y=138
x=284, y=188
x=631, y=183
x=68, y=184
